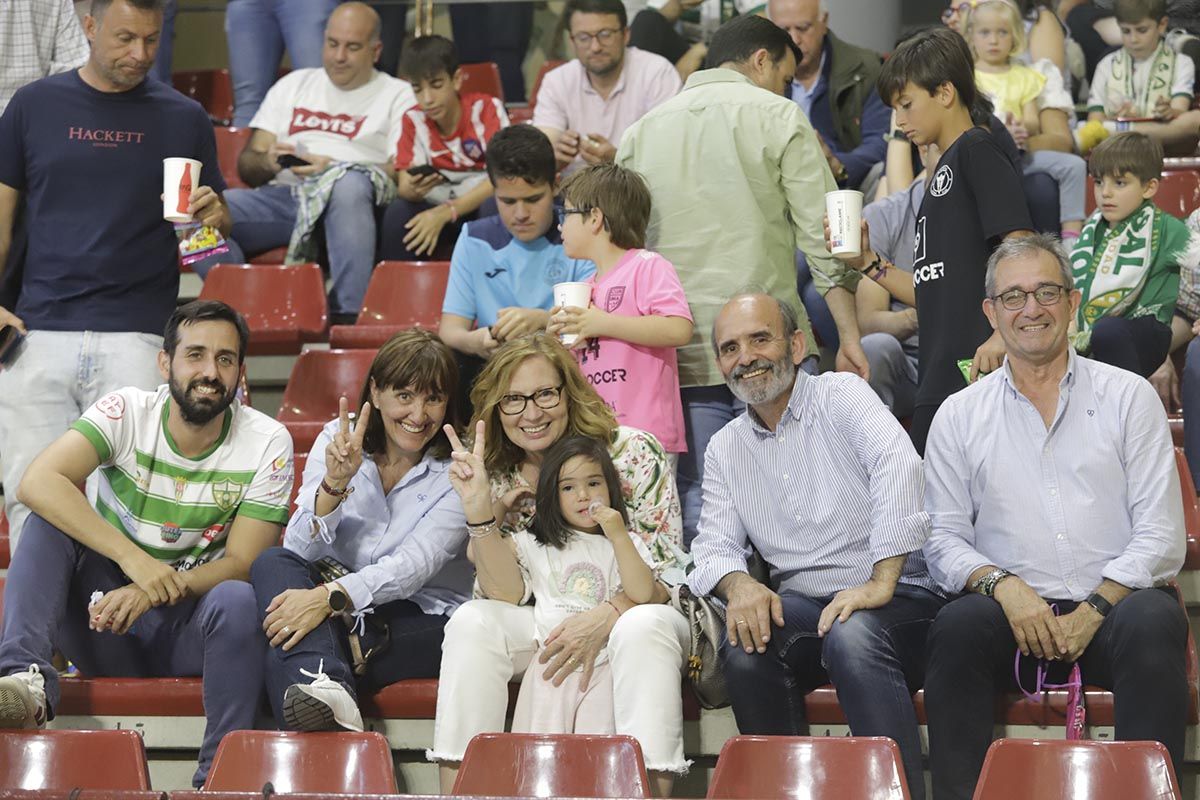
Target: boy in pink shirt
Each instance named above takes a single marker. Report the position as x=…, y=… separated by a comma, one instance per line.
x=638, y=314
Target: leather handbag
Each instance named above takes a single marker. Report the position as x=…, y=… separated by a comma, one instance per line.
x=706, y=630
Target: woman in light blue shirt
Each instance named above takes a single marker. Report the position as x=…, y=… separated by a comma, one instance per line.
x=373, y=561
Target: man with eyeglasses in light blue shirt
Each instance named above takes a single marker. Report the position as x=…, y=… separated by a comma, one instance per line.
x=821, y=479
x=1052, y=488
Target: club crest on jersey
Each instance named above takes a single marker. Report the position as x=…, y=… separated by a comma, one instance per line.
x=943, y=179
x=170, y=532
x=226, y=494
x=613, y=299
x=304, y=120
x=180, y=487
x=472, y=149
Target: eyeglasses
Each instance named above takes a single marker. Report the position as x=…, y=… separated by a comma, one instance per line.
x=1047, y=294
x=513, y=404
x=563, y=213
x=603, y=37
x=950, y=12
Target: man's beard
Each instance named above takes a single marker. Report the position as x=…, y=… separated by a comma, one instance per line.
x=200, y=410
x=782, y=376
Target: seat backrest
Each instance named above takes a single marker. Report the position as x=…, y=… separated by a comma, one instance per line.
x=1178, y=193
x=406, y=293
x=230, y=143
x=1191, y=509
x=64, y=760
x=816, y=768
x=1039, y=769
x=341, y=762
x=547, y=65
x=547, y=765
x=211, y=88
x=484, y=78
x=272, y=297
x=319, y=378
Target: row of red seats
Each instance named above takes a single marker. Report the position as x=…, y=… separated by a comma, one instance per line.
x=539, y=765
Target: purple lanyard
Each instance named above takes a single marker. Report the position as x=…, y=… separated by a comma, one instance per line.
x=1076, y=713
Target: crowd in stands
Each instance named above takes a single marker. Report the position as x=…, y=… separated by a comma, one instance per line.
x=981, y=494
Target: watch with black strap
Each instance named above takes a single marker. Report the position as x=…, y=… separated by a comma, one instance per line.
x=338, y=599
x=1098, y=602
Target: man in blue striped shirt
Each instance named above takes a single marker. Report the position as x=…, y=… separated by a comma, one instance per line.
x=1052, y=482
x=819, y=477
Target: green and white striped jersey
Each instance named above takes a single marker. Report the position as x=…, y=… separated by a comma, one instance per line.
x=180, y=509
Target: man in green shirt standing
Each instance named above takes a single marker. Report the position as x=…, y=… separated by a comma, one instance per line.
x=738, y=183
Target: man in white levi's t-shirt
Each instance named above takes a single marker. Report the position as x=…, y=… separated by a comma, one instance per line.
x=313, y=121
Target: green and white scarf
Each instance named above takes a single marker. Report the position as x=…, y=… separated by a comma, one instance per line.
x=312, y=197
x=1111, y=272
x=1158, y=82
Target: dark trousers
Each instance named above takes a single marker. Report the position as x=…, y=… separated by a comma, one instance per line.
x=398, y=214
x=875, y=659
x=1138, y=653
x=414, y=648
x=1139, y=345
x=498, y=33
x=46, y=598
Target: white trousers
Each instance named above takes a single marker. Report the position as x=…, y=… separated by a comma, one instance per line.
x=489, y=643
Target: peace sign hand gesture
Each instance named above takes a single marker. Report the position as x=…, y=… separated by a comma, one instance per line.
x=468, y=475
x=343, y=455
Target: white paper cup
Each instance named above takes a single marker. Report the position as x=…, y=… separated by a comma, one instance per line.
x=844, y=208
x=575, y=294
x=181, y=176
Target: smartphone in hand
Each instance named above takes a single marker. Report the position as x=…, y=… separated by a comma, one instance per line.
x=287, y=161
x=10, y=341
x=422, y=170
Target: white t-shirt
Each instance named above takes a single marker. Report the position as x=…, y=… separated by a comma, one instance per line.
x=179, y=509
x=1181, y=80
x=576, y=578
x=361, y=126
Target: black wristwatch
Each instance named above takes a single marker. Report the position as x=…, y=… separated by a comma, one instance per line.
x=1097, y=601
x=338, y=599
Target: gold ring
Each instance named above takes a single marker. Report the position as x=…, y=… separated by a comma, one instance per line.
x=286, y=629
x=741, y=622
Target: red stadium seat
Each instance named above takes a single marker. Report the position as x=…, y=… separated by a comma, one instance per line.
x=5, y=553
x=211, y=88
x=342, y=762
x=401, y=294
x=283, y=304
x=230, y=143
x=276, y=256
x=1191, y=511
x=300, y=460
x=64, y=759
x=543, y=765
x=1040, y=769
x=520, y=114
x=808, y=768
x=1178, y=192
x=318, y=379
x=483, y=78
x=1176, y=423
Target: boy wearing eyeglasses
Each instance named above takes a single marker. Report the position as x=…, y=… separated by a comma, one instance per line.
x=1127, y=260
x=586, y=104
x=625, y=339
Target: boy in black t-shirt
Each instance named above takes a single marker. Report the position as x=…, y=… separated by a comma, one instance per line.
x=973, y=200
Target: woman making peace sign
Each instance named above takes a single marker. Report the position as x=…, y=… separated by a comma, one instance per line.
x=376, y=504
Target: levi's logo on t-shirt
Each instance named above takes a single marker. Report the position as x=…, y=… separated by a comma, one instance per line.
x=304, y=119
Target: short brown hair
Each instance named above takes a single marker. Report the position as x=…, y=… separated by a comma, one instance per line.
x=1131, y=11
x=414, y=359
x=587, y=413
x=1131, y=152
x=620, y=194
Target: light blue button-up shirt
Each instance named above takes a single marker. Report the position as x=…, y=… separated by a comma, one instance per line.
x=804, y=97
x=409, y=544
x=834, y=489
x=1094, y=496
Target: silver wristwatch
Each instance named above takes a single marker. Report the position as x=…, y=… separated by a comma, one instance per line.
x=986, y=584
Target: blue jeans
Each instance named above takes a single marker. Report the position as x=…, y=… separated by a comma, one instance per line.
x=257, y=32
x=1138, y=653
x=706, y=409
x=893, y=372
x=876, y=660
x=166, y=43
x=414, y=643
x=1069, y=171
x=263, y=219
x=55, y=377
x=215, y=636
x=1190, y=389
x=398, y=214
x=814, y=303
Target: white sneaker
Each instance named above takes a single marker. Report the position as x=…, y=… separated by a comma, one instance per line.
x=23, y=699
x=323, y=705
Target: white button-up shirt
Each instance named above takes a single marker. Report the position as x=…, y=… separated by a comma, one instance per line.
x=834, y=489
x=1095, y=496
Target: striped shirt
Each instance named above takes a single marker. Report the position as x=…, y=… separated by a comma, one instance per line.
x=176, y=508
x=1096, y=496
x=834, y=489
x=458, y=157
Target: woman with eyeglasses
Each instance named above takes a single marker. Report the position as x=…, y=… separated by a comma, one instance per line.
x=530, y=395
